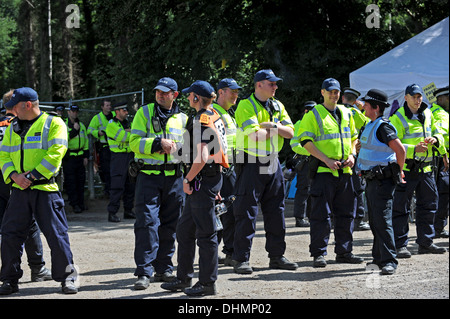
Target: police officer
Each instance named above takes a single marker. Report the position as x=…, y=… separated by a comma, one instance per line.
x=76, y=159
x=381, y=160
x=31, y=154
x=156, y=137
x=59, y=110
x=206, y=146
x=416, y=129
x=301, y=208
x=118, y=132
x=228, y=91
x=263, y=125
x=349, y=99
x=33, y=244
x=440, y=114
x=329, y=134
x=97, y=128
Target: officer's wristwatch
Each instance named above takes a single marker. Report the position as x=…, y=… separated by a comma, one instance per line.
x=275, y=125
x=29, y=177
x=186, y=181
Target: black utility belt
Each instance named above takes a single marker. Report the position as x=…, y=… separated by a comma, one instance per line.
x=416, y=165
x=162, y=167
x=210, y=170
x=44, y=181
x=378, y=172
x=383, y=172
x=260, y=160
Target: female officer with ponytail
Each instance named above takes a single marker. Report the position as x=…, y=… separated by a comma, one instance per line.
x=206, y=146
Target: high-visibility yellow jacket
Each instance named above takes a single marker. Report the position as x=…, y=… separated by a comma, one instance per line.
x=143, y=135
x=295, y=141
x=335, y=141
x=80, y=142
x=249, y=114
x=412, y=131
x=441, y=118
x=118, y=138
x=360, y=118
x=40, y=151
x=99, y=123
x=230, y=130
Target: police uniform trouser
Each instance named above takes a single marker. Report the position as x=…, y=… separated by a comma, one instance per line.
x=302, y=203
x=331, y=195
x=426, y=205
x=359, y=185
x=74, y=179
x=440, y=220
x=48, y=210
x=380, y=194
x=33, y=244
x=159, y=202
x=253, y=187
x=105, y=167
x=227, y=234
x=198, y=222
x=121, y=185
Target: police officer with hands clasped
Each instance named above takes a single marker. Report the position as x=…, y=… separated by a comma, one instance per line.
x=418, y=133
x=263, y=125
x=156, y=138
x=31, y=154
x=33, y=243
x=205, y=146
x=329, y=134
x=381, y=159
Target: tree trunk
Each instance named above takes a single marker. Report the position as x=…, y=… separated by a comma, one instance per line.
x=26, y=30
x=46, y=87
x=68, y=77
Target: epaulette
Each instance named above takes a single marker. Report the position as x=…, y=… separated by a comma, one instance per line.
x=204, y=118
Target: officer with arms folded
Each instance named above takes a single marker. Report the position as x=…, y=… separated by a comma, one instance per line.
x=76, y=159
x=118, y=132
x=416, y=129
x=329, y=134
x=205, y=145
x=263, y=125
x=31, y=154
x=380, y=161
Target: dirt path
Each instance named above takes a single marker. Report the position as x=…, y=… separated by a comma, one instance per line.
x=103, y=251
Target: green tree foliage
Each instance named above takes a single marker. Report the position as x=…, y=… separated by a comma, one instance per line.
x=124, y=46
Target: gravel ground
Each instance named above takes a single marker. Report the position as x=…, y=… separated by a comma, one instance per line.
x=103, y=251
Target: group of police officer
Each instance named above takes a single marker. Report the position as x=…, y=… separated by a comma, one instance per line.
x=183, y=165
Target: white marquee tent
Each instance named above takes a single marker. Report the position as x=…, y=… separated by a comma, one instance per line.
x=423, y=59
